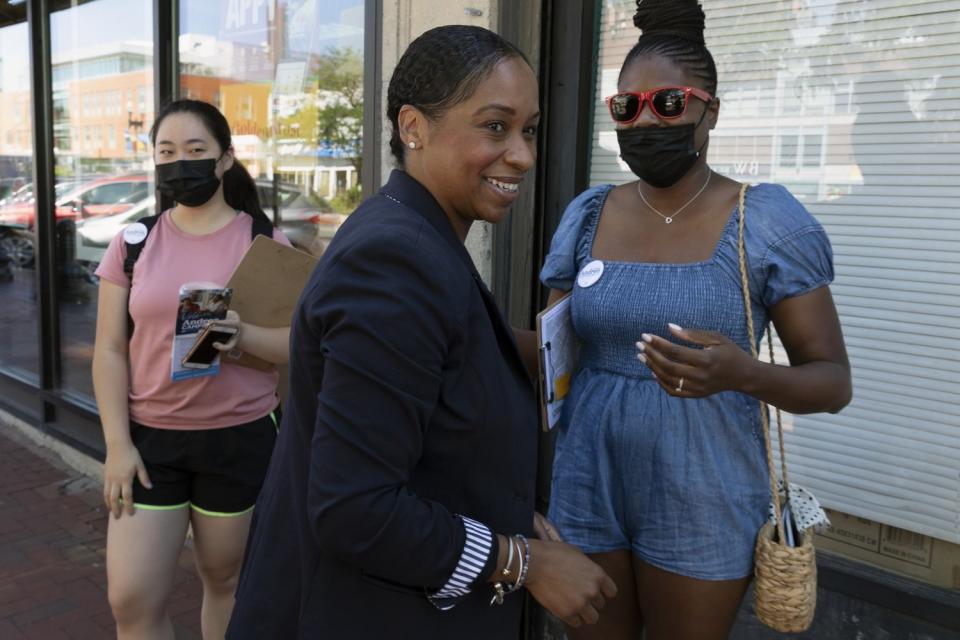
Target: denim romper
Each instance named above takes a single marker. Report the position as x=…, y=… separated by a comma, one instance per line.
x=680, y=482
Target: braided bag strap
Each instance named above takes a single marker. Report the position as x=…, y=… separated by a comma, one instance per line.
x=764, y=412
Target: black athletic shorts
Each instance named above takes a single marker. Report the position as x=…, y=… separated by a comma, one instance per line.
x=217, y=472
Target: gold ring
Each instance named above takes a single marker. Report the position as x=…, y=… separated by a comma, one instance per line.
x=679, y=386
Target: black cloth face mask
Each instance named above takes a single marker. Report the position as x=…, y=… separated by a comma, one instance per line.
x=660, y=156
x=189, y=182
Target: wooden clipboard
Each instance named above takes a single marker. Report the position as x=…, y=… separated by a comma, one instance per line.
x=266, y=287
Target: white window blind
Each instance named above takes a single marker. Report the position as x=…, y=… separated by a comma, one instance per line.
x=854, y=105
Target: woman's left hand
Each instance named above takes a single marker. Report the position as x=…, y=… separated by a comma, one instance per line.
x=544, y=529
x=687, y=372
x=232, y=320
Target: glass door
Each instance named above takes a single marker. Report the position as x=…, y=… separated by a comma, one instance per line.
x=288, y=75
x=19, y=324
x=103, y=105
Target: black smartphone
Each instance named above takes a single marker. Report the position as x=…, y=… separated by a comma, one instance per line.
x=203, y=353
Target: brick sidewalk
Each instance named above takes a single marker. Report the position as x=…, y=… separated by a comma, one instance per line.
x=52, y=550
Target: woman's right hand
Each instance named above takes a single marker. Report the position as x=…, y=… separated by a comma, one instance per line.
x=122, y=464
x=567, y=583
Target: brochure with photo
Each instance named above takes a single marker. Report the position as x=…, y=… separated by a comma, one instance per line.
x=200, y=304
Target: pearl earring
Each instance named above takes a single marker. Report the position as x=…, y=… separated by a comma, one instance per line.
x=412, y=144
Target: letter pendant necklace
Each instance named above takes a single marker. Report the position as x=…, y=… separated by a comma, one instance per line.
x=669, y=219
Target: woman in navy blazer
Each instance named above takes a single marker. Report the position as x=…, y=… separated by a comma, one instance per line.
x=399, y=501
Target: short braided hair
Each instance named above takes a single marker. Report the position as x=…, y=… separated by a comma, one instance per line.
x=440, y=69
x=674, y=29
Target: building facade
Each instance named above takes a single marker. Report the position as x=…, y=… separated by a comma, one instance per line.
x=849, y=103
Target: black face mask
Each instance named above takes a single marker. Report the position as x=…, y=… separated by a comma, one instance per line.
x=189, y=182
x=660, y=156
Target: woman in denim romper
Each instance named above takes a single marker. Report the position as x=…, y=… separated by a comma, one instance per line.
x=660, y=471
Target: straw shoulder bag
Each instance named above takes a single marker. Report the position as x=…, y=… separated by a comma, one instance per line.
x=785, y=586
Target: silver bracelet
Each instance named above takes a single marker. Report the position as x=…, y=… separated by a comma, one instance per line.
x=500, y=588
x=516, y=584
x=524, y=563
x=523, y=557
x=506, y=568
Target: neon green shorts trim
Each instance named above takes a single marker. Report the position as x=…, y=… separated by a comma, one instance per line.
x=217, y=514
x=160, y=507
x=216, y=472
x=175, y=507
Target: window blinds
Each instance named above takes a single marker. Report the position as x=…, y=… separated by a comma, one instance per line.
x=853, y=105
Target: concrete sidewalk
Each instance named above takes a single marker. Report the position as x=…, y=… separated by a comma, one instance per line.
x=52, y=550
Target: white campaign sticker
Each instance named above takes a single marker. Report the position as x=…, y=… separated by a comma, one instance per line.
x=135, y=233
x=590, y=274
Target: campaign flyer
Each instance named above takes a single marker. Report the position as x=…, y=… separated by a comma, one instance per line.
x=200, y=304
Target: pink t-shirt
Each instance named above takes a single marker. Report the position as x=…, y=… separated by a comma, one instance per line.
x=169, y=259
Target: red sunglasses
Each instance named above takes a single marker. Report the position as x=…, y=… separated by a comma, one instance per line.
x=667, y=103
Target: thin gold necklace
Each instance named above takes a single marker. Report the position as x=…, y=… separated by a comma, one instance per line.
x=669, y=219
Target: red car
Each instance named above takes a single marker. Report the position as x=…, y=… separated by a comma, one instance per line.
x=101, y=197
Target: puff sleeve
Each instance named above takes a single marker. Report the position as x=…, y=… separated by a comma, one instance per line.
x=799, y=261
x=571, y=241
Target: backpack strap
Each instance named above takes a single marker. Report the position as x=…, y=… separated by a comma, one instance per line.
x=133, y=253
x=261, y=227
x=133, y=250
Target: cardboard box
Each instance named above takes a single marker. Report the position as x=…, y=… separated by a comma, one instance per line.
x=927, y=559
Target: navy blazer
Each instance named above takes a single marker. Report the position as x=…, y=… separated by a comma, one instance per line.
x=409, y=406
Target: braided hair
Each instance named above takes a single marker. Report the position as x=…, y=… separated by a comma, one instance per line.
x=440, y=69
x=673, y=29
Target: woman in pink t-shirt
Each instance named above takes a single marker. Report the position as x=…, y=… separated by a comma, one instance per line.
x=191, y=451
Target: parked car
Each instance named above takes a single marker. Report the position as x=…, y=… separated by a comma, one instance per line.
x=17, y=246
x=104, y=196
x=20, y=195
x=100, y=197
x=307, y=221
x=308, y=225
x=16, y=240
x=24, y=195
x=94, y=234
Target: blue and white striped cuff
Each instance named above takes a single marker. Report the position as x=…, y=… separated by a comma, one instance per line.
x=476, y=551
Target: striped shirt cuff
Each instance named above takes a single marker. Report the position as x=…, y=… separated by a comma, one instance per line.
x=474, y=557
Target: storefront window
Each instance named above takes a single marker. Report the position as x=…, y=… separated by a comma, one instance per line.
x=101, y=50
x=852, y=106
x=19, y=342
x=288, y=75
